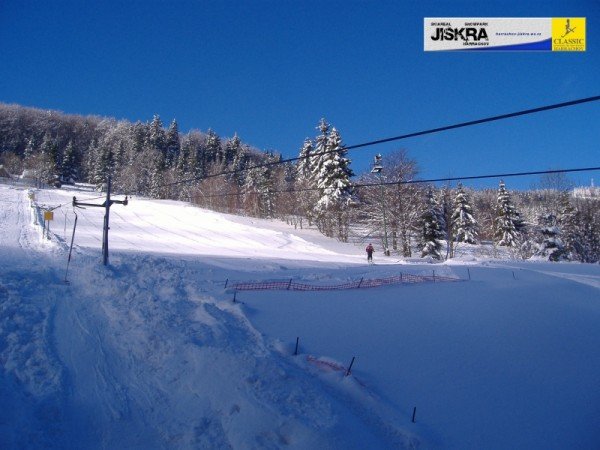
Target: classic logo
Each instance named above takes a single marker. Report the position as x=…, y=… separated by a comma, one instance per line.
x=568, y=34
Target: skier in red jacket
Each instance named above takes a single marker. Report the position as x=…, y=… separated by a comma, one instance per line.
x=370, y=251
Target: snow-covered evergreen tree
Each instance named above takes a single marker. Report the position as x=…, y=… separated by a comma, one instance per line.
x=464, y=225
x=304, y=164
x=157, y=176
x=446, y=207
x=305, y=180
x=213, y=153
x=259, y=192
x=432, y=230
x=239, y=164
x=172, y=145
x=29, y=153
x=68, y=170
x=232, y=147
x=156, y=139
x=568, y=220
x=551, y=247
x=508, y=221
x=48, y=162
x=589, y=227
x=104, y=166
x=334, y=188
x=319, y=153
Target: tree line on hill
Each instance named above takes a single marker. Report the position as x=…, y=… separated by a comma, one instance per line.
x=227, y=175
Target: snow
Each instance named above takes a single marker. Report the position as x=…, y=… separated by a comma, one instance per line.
x=151, y=352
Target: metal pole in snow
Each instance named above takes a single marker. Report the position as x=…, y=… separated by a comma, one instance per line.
x=71, y=249
x=414, y=414
x=297, y=341
x=349, y=371
x=106, y=221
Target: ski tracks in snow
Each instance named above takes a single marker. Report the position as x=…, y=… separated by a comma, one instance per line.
x=157, y=361
x=144, y=354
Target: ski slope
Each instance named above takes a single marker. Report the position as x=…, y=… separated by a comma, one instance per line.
x=151, y=352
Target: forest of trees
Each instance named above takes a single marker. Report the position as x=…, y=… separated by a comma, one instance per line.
x=319, y=188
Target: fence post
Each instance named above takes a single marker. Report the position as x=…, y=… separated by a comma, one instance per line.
x=226, y=281
x=414, y=414
x=289, y=284
x=234, y=295
x=433, y=276
x=297, y=341
x=360, y=282
x=469, y=272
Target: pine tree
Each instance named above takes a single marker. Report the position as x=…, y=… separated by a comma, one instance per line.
x=552, y=246
x=464, y=225
x=446, y=207
x=305, y=180
x=431, y=225
x=232, y=147
x=259, y=192
x=507, y=223
x=184, y=171
x=104, y=166
x=157, y=176
x=156, y=139
x=590, y=230
x=139, y=137
x=319, y=153
x=568, y=220
x=239, y=164
x=172, y=145
x=48, y=162
x=334, y=188
x=213, y=152
x=69, y=171
x=29, y=153
x=305, y=162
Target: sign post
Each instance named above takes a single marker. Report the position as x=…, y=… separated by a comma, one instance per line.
x=48, y=216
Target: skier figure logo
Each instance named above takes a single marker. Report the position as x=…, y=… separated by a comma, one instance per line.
x=568, y=28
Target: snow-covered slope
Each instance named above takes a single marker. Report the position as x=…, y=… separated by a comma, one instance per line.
x=151, y=352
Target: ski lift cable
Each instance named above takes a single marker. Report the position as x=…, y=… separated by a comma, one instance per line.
x=397, y=138
x=417, y=181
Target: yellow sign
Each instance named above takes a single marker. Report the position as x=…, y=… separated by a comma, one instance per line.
x=48, y=215
x=568, y=34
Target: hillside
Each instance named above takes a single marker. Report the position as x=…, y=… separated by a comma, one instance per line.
x=152, y=352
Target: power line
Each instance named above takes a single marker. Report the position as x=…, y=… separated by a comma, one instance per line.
x=397, y=138
x=419, y=181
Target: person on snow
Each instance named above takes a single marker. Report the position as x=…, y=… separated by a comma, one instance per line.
x=370, y=251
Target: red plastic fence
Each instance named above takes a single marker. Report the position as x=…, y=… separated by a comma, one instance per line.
x=362, y=283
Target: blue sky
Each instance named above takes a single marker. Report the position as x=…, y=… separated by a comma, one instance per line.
x=269, y=70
